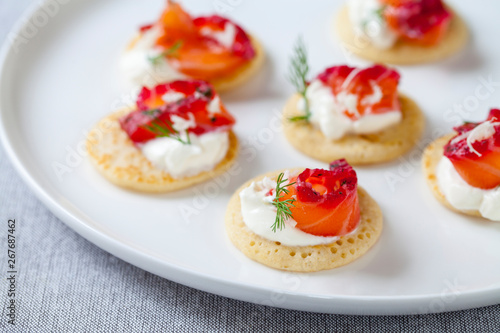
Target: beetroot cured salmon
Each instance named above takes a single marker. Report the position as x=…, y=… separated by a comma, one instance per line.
x=376, y=81
x=326, y=201
x=423, y=22
x=198, y=53
x=154, y=116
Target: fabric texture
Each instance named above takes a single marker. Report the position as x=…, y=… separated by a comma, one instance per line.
x=67, y=284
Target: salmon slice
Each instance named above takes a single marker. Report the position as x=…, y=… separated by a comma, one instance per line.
x=201, y=55
x=480, y=166
x=326, y=200
x=154, y=115
x=365, y=84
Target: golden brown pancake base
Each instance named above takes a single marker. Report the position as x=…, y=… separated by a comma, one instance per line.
x=304, y=258
x=115, y=156
x=430, y=160
x=240, y=76
x=402, y=53
x=356, y=149
x=245, y=73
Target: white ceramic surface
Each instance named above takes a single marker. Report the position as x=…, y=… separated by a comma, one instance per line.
x=60, y=76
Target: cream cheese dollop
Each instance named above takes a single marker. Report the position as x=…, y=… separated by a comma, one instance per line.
x=137, y=68
x=327, y=111
x=259, y=215
x=367, y=21
x=463, y=196
x=183, y=160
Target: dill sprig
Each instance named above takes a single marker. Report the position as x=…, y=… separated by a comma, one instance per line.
x=152, y=112
x=168, y=52
x=380, y=12
x=283, y=211
x=298, y=70
x=165, y=129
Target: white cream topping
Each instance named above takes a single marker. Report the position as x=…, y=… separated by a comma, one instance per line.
x=225, y=37
x=184, y=160
x=464, y=196
x=259, y=215
x=368, y=22
x=327, y=111
x=373, y=98
x=172, y=96
x=136, y=66
x=181, y=124
x=214, y=106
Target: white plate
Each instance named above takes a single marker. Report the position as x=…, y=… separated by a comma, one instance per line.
x=60, y=77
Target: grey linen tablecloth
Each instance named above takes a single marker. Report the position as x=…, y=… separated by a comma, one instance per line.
x=67, y=284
